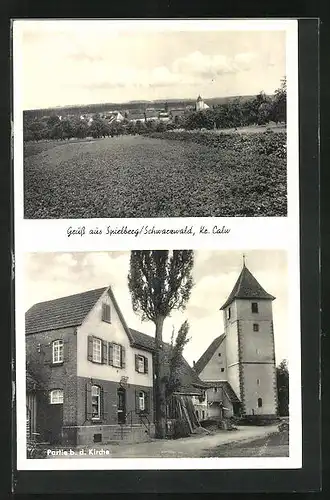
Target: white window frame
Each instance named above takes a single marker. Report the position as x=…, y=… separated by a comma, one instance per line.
x=97, y=352
x=97, y=394
x=56, y=396
x=116, y=355
x=142, y=400
x=141, y=364
x=57, y=351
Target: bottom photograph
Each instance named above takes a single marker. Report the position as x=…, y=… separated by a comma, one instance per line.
x=156, y=353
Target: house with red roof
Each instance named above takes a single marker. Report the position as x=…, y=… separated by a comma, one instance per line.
x=239, y=365
x=90, y=376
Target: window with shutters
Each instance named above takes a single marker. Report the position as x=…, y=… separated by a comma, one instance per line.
x=57, y=351
x=56, y=396
x=116, y=355
x=141, y=363
x=96, y=402
x=106, y=313
x=97, y=350
x=254, y=307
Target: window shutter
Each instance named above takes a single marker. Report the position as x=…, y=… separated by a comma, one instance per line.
x=137, y=406
x=48, y=353
x=145, y=364
x=123, y=356
x=90, y=347
x=104, y=406
x=110, y=354
x=146, y=402
x=88, y=401
x=136, y=363
x=65, y=351
x=104, y=351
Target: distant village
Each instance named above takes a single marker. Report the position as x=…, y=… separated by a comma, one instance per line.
x=144, y=117
x=164, y=113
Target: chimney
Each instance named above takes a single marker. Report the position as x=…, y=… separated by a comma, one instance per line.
x=194, y=364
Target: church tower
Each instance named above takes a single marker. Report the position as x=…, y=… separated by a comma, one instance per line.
x=250, y=348
x=200, y=104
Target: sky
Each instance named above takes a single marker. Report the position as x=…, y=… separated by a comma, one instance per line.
x=85, y=62
x=53, y=275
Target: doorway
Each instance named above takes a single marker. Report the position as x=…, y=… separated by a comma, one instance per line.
x=121, y=406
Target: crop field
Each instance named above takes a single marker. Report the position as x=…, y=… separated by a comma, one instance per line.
x=190, y=175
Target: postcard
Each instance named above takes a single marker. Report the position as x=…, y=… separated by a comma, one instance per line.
x=157, y=297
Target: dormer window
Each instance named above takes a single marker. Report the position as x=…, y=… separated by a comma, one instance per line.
x=228, y=313
x=254, y=307
x=106, y=313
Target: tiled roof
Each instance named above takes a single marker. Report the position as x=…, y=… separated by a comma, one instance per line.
x=142, y=340
x=61, y=313
x=225, y=385
x=205, y=358
x=247, y=287
x=188, y=376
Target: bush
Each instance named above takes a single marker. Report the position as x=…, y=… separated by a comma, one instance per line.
x=181, y=429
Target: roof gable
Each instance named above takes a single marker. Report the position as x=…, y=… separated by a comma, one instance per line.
x=68, y=311
x=247, y=287
x=205, y=358
x=63, y=312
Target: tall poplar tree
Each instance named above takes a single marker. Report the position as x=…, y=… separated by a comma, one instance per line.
x=160, y=281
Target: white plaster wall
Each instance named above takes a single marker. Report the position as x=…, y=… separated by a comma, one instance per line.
x=212, y=370
x=243, y=309
x=257, y=346
x=113, y=332
x=266, y=390
x=233, y=379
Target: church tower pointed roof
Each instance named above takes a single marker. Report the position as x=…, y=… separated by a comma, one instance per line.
x=247, y=287
x=199, y=98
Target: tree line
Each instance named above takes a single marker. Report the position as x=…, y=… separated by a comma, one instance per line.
x=237, y=112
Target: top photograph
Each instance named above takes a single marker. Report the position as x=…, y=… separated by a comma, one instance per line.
x=139, y=119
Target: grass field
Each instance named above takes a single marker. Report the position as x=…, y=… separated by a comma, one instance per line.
x=135, y=176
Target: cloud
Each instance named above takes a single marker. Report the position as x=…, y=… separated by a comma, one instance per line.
x=210, y=66
x=94, y=70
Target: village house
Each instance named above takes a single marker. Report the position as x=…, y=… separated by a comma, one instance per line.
x=90, y=377
x=239, y=365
